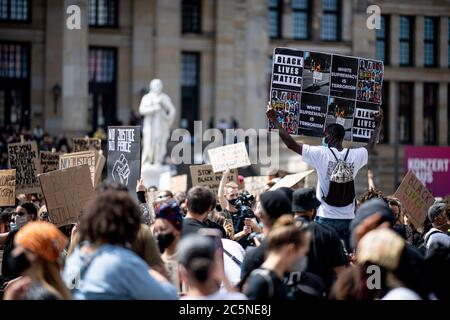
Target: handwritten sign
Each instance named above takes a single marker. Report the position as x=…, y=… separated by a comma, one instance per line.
x=92, y=158
x=25, y=159
x=49, y=161
x=203, y=175
x=7, y=188
x=230, y=156
x=86, y=144
x=291, y=180
x=415, y=198
x=178, y=183
x=255, y=185
x=66, y=193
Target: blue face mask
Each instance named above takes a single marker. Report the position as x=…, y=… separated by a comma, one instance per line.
x=325, y=142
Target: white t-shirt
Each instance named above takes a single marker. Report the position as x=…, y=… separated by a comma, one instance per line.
x=437, y=237
x=401, y=293
x=232, y=270
x=218, y=295
x=321, y=159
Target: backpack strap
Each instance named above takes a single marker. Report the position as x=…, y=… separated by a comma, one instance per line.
x=235, y=260
x=346, y=155
x=337, y=160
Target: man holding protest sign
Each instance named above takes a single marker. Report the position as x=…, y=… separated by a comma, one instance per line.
x=326, y=159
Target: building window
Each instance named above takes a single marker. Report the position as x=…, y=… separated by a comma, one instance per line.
x=275, y=18
x=382, y=44
x=406, y=111
x=385, y=106
x=406, y=40
x=301, y=18
x=430, y=91
x=102, y=86
x=430, y=36
x=14, y=84
x=103, y=13
x=331, y=20
x=190, y=89
x=191, y=16
x=17, y=11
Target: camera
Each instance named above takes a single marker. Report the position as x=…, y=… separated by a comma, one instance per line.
x=245, y=199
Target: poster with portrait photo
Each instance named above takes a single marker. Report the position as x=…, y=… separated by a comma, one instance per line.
x=287, y=69
x=316, y=73
x=363, y=122
x=313, y=112
x=370, y=80
x=341, y=111
x=287, y=106
x=344, y=76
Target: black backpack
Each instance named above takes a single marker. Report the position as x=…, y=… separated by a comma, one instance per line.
x=342, y=186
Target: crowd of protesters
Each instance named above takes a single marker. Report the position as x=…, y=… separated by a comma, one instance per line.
x=303, y=244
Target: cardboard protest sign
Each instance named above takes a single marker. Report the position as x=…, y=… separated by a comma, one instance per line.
x=291, y=180
x=24, y=158
x=86, y=144
x=49, y=161
x=91, y=158
x=178, y=183
x=124, y=155
x=431, y=165
x=255, y=185
x=230, y=156
x=415, y=198
x=310, y=90
x=7, y=188
x=66, y=193
x=203, y=175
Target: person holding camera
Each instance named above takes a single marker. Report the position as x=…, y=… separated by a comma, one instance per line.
x=237, y=208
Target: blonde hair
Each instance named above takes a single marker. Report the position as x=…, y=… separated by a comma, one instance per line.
x=232, y=184
x=50, y=277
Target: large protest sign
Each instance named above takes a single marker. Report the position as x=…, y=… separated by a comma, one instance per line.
x=291, y=180
x=230, y=156
x=93, y=159
x=24, y=158
x=203, y=175
x=178, y=183
x=7, y=188
x=256, y=185
x=415, y=198
x=49, y=161
x=311, y=90
x=66, y=193
x=86, y=144
x=124, y=155
x=431, y=165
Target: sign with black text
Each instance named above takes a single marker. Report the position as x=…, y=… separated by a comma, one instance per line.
x=24, y=158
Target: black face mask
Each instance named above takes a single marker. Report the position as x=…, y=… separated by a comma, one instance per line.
x=232, y=201
x=164, y=240
x=19, y=263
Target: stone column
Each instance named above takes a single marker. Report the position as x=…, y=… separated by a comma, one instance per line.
x=392, y=105
x=347, y=20
x=418, y=41
x=167, y=50
x=316, y=25
x=418, y=113
x=75, y=73
x=394, y=34
x=363, y=44
x=442, y=115
x=287, y=19
x=142, y=69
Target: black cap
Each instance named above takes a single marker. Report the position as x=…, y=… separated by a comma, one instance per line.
x=435, y=210
x=287, y=191
x=275, y=203
x=304, y=199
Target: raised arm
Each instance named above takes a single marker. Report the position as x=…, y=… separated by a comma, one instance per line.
x=378, y=117
x=221, y=192
x=284, y=135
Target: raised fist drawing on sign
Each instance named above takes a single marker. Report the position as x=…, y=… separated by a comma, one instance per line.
x=121, y=170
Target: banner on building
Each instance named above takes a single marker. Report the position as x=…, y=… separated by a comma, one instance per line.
x=230, y=156
x=66, y=193
x=7, y=188
x=431, y=165
x=310, y=90
x=24, y=158
x=415, y=199
x=124, y=155
x=203, y=175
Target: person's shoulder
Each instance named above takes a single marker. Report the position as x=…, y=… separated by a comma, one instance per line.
x=324, y=230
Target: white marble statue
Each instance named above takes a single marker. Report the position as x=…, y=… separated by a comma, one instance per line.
x=159, y=113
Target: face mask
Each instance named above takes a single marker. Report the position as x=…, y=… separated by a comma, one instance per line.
x=325, y=142
x=232, y=202
x=164, y=240
x=19, y=263
x=300, y=264
x=21, y=221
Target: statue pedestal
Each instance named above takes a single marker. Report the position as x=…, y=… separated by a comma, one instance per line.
x=156, y=175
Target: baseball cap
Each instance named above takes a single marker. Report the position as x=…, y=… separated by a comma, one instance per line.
x=275, y=203
x=435, y=210
x=304, y=199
